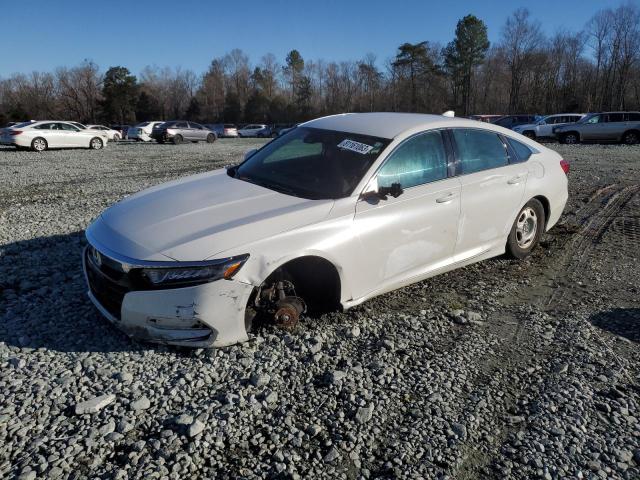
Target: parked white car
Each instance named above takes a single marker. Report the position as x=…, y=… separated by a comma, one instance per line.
x=112, y=135
x=255, y=130
x=339, y=210
x=543, y=128
x=46, y=134
x=142, y=131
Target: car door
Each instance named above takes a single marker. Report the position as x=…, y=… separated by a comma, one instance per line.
x=199, y=133
x=614, y=127
x=492, y=191
x=544, y=129
x=50, y=132
x=406, y=237
x=589, y=129
x=68, y=135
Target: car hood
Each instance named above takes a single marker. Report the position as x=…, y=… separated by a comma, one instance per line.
x=195, y=218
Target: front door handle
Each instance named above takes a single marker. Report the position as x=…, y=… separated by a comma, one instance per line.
x=516, y=180
x=448, y=198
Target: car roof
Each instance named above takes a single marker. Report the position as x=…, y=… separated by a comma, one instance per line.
x=385, y=124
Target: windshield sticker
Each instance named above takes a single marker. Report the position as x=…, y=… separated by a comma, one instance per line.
x=358, y=147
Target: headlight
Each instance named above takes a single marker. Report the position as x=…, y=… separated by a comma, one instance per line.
x=218, y=269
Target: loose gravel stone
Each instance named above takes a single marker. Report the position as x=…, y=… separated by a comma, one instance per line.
x=95, y=404
x=140, y=404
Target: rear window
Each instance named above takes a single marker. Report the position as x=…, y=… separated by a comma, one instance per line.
x=229, y=125
x=522, y=151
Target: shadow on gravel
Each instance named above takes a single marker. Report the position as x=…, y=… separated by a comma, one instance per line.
x=43, y=301
x=624, y=322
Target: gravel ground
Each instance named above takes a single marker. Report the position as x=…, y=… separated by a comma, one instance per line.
x=503, y=369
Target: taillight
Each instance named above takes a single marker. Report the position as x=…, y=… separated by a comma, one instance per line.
x=565, y=166
x=15, y=132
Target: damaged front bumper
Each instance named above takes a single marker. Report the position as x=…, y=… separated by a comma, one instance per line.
x=207, y=315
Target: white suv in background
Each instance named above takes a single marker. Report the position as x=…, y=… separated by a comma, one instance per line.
x=544, y=127
x=142, y=131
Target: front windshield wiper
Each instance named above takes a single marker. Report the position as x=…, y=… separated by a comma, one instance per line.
x=271, y=186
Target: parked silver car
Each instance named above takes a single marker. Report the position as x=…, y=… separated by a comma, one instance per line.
x=602, y=127
x=178, y=131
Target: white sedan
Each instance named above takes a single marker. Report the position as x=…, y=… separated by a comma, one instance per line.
x=339, y=210
x=46, y=134
x=142, y=131
x=112, y=135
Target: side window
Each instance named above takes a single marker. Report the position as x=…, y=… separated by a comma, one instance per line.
x=634, y=117
x=181, y=125
x=67, y=127
x=421, y=159
x=595, y=119
x=479, y=150
x=522, y=151
x=616, y=117
x=46, y=126
x=195, y=125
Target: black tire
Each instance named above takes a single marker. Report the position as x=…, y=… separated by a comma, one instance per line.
x=631, y=138
x=177, y=140
x=211, y=138
x=39, y=144
x=529, y=134
x=522, y=240
x=96, y=143
x=570, y=138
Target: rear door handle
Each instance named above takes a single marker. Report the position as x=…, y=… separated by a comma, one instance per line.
x=516, y=180
x=448, y=198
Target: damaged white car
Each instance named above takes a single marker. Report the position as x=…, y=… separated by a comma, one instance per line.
x=334, y=212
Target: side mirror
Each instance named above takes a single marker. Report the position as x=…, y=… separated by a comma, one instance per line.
x=395, y=190
x=250, y=153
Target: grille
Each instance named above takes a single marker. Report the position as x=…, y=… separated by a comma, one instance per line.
x=107, y=285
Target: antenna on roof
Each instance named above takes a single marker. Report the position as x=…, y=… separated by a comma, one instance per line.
x=449, y=113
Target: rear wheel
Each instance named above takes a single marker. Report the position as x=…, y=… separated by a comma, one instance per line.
x=526, y=230
x=39, y=144
x=177, y=140
x=631, y=138
x=570, y=138
x=96, y=143
x=211, y=138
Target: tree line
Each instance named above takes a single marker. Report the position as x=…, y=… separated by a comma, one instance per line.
x=526, y=71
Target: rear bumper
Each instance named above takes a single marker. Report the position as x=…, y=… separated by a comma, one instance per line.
x=208, y=315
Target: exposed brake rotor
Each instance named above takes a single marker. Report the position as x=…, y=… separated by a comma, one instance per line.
x=280, y=300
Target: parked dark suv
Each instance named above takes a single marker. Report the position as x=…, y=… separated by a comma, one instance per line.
x=178, y=131
x=510, y=121
x=602, y=127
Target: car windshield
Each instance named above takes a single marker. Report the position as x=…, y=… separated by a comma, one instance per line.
x=312, y=163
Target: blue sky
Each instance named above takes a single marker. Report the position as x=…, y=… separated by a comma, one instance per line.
x=44, y=34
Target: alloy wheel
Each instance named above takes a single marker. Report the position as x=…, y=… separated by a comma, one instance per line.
x=526, y=227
